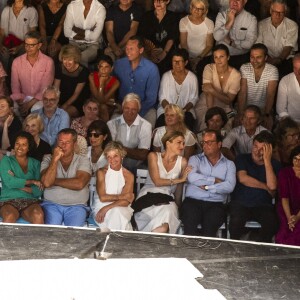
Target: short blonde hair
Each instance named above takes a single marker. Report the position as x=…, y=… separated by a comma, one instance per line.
x=117, y=146
x=70, y=51
x=204, y=2
x=36, y=117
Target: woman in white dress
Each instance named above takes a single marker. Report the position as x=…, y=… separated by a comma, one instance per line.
x=196, y=32
x=156, y=207
x=174, y=119
x=114, y=184
x=178, y=86
x=98, y=137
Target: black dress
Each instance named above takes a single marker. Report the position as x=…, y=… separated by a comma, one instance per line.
x=42, y=149
x=52, y=20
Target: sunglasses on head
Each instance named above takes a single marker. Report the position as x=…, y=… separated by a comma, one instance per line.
x=96, y=135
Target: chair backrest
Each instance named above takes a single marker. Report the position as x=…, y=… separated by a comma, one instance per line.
x=141, y=175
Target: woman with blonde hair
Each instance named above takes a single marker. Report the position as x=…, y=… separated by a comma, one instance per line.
x=71, y=79
x=111, y=206
x=156, y=206
x=35, y=126
x=196, y=32
x=174, y=119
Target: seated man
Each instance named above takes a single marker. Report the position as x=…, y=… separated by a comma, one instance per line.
x=240, y=139
x=138, y=75
x=289, y=93
x=121, y=23
x=65, y=177
x=132, y=131
x=210, y=182
x=83, y=27
x=280, y=35
x=256, y=186
x=54, y=118
x=237, y=29
x=259, y=84
x=31, y=73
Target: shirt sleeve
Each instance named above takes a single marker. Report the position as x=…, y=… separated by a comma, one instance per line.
x=33, y=22
x=7, y=175
x=65, y=121
x=282, y=98
x=230, y=139
x=94, y=35
x=220, y=32
x=15, y=82
x=151, y=90
x=145, y=136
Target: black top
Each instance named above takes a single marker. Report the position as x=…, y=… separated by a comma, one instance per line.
x=68, y=83
x=13, y=130
x=159, y=32
x=42, y=149
x=52, y=20
x=122, y=19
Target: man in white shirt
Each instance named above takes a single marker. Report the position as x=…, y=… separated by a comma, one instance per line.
x=132, y=131
x=280, y=35
x=288, y=96
x=83, y=26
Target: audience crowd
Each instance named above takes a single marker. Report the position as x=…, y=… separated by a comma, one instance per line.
x=203, y=94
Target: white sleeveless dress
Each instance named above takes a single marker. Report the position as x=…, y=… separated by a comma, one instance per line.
x=154, y=216
x=117, y=218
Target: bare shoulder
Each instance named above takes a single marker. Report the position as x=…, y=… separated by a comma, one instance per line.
x=127, y=174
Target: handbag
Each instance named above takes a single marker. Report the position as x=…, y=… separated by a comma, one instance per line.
x=11, y=41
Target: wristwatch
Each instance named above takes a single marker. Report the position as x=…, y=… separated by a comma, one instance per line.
x=206, y=187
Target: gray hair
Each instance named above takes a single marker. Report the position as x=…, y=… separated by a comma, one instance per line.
x=132, y=97
x=52, y=88
x=282, y=2
x=33, y=35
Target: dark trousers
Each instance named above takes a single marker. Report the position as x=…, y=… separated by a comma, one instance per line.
x=211, y=216
x=265, y=215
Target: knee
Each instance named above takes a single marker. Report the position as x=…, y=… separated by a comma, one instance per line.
x=37, y=216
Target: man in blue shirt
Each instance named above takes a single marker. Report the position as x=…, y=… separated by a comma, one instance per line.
x=54, y=118
x=212, y=178
x=256, y=186
x=140, y=76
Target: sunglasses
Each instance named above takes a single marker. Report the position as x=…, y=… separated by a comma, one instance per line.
x=96, y=135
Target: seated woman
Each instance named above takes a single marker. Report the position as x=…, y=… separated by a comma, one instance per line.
x=9, y=125
x=52, y=15
x=289, y=202
x=215, y=119
x=221, y=83
x=98, y=137
x=156, y=207
x=287, y=135
x=103, y=87
x=17, y=18
x=196, y=32
x=71, y=79
x=21, y=186
x=35, y=126
x=159, y=28
x=111, y=206
x=90, y=113
x=178, y=86
x=174, y=119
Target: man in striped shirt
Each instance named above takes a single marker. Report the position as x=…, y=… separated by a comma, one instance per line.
x=258, y=84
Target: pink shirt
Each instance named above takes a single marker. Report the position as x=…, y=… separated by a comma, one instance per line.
x=28, y=80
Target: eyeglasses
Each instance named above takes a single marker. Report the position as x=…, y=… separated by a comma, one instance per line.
x=51, y=100
x=294, y=135
x=208, y=143
x=30, y=45
x=296, y=158
x=278, y=13
x=93, y=134
x=198, y=8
